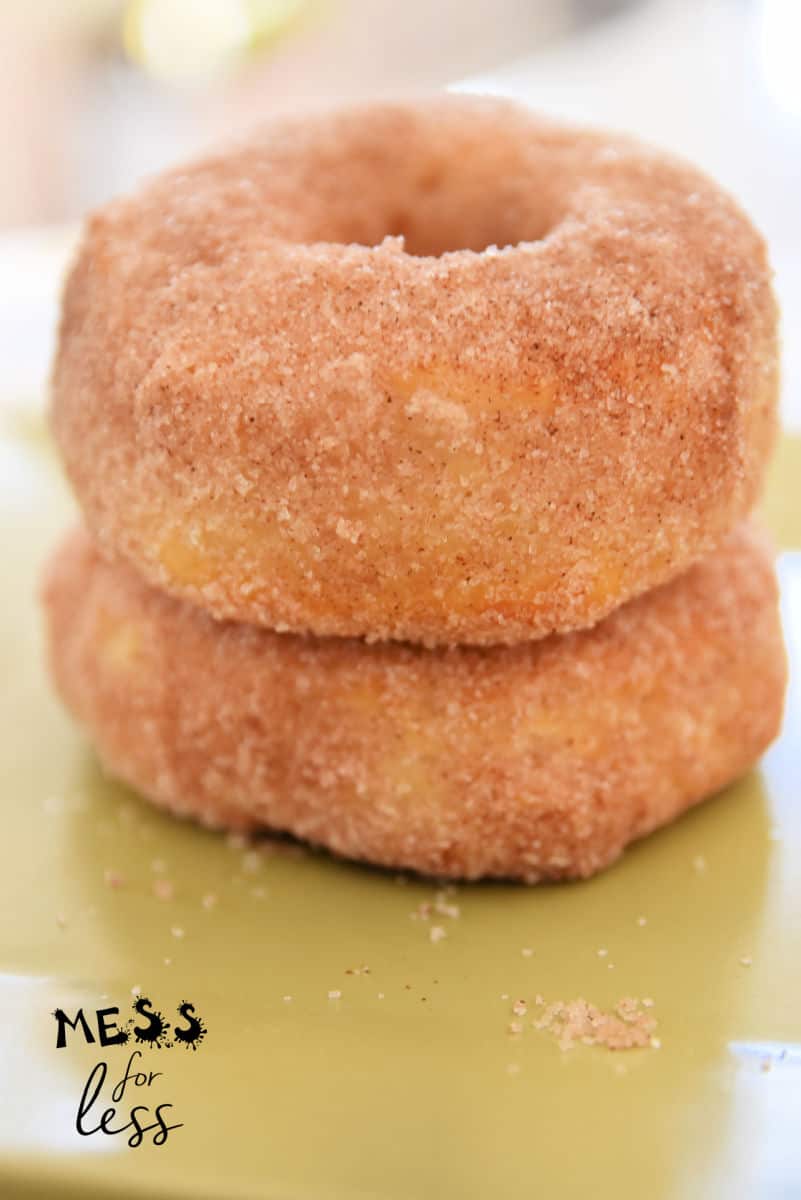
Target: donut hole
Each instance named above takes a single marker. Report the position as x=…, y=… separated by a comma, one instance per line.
x=450, y=213
x=433, y=238
x=465, y=188
x=438, y=223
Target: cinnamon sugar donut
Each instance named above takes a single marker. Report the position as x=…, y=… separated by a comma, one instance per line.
x=535, y=761
x=299, y=385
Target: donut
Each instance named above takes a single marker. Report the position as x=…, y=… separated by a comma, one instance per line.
x=440, y=371
x=536, y=761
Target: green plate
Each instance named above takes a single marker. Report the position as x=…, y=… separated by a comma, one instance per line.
x=319, y=1079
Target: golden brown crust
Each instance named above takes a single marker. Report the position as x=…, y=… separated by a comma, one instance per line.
x=535, y=761
x=476, y=447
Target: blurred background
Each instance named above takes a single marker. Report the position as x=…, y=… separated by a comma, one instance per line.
x=99, y=93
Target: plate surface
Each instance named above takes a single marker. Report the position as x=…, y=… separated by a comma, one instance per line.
x=407, y=1083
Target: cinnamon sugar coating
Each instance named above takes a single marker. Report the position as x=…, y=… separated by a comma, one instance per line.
x=536, y=761
x=276, y=408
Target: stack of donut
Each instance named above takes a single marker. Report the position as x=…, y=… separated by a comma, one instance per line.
x=415, y=446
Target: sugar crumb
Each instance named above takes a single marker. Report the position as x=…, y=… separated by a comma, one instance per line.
x=445, y=907
x=252, y=861
x=626, y=1027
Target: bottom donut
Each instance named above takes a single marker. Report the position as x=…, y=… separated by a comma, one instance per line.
x=535, y=761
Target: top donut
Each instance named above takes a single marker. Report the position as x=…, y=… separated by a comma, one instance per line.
x=441, y=371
